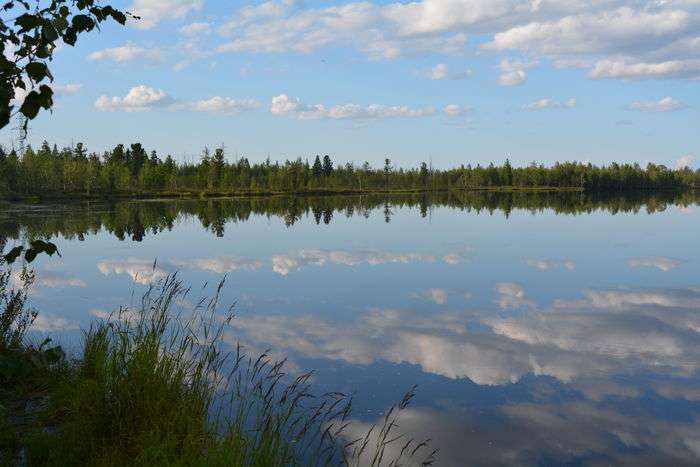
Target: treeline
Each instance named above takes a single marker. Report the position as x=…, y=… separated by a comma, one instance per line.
x=133, y=170
x=136, y=220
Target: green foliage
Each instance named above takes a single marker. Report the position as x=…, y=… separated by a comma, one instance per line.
x=131, y=171
x=35, y=248
x=15, y=316
x=155, y=386
x=28, y=42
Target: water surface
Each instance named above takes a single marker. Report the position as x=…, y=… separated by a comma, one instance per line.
x=541, y=329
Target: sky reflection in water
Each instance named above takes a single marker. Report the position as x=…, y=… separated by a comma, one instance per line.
x=561, y=330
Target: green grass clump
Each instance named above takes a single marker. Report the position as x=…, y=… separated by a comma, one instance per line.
x=155, y=386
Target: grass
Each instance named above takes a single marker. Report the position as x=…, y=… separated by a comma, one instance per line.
x=155, y=386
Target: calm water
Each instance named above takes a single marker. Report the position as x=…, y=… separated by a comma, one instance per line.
x=540, y=329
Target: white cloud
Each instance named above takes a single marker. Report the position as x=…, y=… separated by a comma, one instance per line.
x=438, y=72
x=274, y=27
x=545, y=264
x=551, y=104
x=607, y=31
x=435, y=295
x=659, y=262
x=223, y=264
x=609, y=38
x=196, y=28
x=629, y=69
x=665, y=104
x=685, y=161
x=453, y=258
x=123, y=314
x=52, y=323
x=295, y=108
x=153, y=11
x=455, y=110
x=513, y=72
x=63, y=89
x=284, y=264
x=48, y=279
x=511, y=295
x=141, y=271
x=225, y=105
x=442, y=72
x=127, y=53
x=139, y=98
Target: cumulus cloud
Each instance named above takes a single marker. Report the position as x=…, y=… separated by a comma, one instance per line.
x=659, y=262
x=685, y=161
x=63, y=89
x=127, y=53
x=442, y=72
x=436, y=295
x=153, y=11
x=545, y=264
x=141, y=271
x=455, y=258
x=223, y=264
x=627, y=69
x=275, y=27
x=52, y=323
x=139, y=98
x=48, y=279
x=665, y=104
x=455, y=110
x=607, y=31
x=225, y=105
x=542, y=104
x=513, y=72
x=293, y=107
x=511, y=295
x=611, y=39
x=608, y=332
x=196, y=28
x=284, y=264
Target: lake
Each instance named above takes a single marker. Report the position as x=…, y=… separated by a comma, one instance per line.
x=540, y=328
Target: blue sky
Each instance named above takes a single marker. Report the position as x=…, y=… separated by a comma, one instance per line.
x=453, y=81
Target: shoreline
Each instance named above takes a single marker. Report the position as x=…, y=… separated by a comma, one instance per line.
x=194, y=195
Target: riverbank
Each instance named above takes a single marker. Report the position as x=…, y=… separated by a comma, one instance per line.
x=208, y=194
x=157, y=387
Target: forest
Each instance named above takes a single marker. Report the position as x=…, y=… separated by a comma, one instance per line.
x=132, y=170
x=136, y=220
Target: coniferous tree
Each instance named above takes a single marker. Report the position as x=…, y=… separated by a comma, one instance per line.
x=317, y=169
x=327, y=166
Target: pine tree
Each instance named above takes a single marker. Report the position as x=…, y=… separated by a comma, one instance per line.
x=317, y=169
x=327, y=166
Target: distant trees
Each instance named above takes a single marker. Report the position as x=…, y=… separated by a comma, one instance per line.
x=131, y=169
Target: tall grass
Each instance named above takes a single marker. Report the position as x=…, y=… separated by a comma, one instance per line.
x=156, y=385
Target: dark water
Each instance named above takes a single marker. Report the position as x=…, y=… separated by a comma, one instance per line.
x=554, y=329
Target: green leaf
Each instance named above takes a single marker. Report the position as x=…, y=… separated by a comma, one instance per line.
x=49, y=32
x=44, y=247
x=31, y=105
x=13, y=254
x=70, y=36
x=27, y=22
x=37, y=71
x=45, y=96
x=83, y=23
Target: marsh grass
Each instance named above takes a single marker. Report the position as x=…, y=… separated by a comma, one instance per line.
x=156, y=385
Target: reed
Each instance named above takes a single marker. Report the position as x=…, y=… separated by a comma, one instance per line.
x=157, y=385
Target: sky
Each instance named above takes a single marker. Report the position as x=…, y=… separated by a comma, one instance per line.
x=447, y=81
